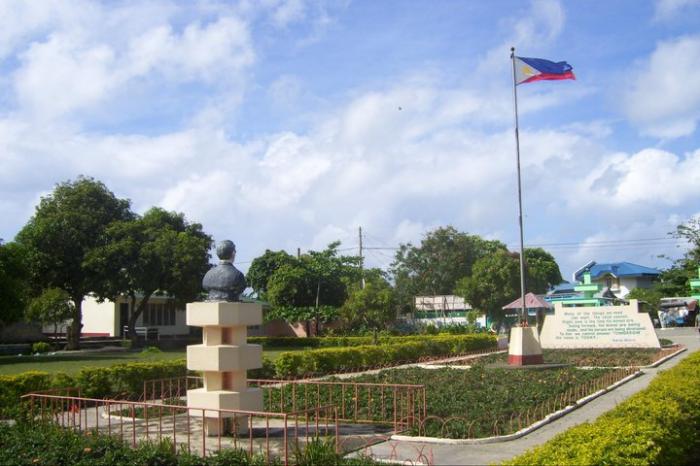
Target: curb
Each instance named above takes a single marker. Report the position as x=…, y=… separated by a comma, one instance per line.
x=522, y=432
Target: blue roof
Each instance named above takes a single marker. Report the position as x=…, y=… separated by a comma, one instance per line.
x=619, y=269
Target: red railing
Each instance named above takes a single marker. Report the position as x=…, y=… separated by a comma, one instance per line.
x=270, y=434
x=400, y=406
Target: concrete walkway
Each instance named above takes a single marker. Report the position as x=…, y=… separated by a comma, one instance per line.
x=443, y=454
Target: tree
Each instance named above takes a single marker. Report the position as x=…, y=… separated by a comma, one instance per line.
x=372, y=307
x=541, y=270
x=444, y=257
x=14, y=286
x=52, y=307
x=159, y=253
x=67, y=225
x=262, y=268
x=315, y=280
x=494, y=282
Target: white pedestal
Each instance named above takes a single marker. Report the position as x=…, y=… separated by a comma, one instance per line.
x=524, y=348
x=224, y=358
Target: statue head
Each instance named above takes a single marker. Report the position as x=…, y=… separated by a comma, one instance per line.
x=226, y=251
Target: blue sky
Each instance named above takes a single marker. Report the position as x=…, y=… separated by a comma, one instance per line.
x=289, y=123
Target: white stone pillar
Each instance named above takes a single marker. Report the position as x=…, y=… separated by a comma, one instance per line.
x=224, y=358
x=524, y=348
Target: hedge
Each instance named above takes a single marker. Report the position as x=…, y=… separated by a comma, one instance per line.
x=330, y=360
x=658, y=425
x=333, y=342
x=126, y=380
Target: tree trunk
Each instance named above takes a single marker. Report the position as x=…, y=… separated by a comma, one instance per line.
x=318, y=293
x=73, y=337
x=135, y=313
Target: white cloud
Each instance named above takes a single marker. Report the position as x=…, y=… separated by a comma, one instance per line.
x=664, y=99
x=665, y=10
x=77, y=68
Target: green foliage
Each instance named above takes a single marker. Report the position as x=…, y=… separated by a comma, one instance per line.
x=49, y=445
x=494, y=282
x=41, y=347
x=67, y=225
x=327, y=361
x=293, y=314
x=318, y=278
x=658, y=425
x=12, y=387
x=478, y=398
x=123, y=380
x=541, y=270
x=263, y=267
x=601, y=357
x=52, y=307
x=14, y=286
x=444, y=256
x=370, y=308
x=158, y=253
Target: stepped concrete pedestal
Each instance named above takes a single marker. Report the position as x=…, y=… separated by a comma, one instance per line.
x=524, y=348
x=224, y=358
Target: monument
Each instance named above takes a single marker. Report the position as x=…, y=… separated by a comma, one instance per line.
x=224, y=356
x=598, y=327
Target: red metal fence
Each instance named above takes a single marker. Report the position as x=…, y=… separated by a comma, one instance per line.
x=401, y=406
x=269, y=434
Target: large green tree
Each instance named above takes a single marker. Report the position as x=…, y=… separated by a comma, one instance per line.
x=541, y=270
x=262, y=268
x=434, y=267
x=315, y=280
x=493, y=283
x=67, y=225
x=372, y=307
x=159, y=253
x=495, y=279
x=14, y=286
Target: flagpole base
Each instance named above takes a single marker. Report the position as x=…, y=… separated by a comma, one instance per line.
x=524, y=348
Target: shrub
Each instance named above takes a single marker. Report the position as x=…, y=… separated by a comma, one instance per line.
x=658, y=425
x=41, y=347
x=12, y=387
x=329, y=360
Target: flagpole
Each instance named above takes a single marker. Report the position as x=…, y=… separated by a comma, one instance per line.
x=523, y=315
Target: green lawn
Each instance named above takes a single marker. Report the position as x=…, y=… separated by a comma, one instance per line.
x=72, y=363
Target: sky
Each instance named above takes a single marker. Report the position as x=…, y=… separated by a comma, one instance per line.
x=285, y=124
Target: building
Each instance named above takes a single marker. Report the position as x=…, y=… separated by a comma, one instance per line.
x=619, y=277
x=442, y=310
x=109, y=318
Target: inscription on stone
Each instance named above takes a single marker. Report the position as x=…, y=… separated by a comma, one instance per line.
x=598, y=327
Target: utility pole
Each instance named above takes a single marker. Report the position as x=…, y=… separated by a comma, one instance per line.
x=298, y=253
x=362, y=260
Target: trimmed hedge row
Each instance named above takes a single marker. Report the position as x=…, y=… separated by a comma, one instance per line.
x=333, y=342
x=124, y=380
x=658, y=425
x=330, y=360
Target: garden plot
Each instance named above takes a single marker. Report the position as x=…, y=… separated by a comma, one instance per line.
x=485, y=402
x=618, y=357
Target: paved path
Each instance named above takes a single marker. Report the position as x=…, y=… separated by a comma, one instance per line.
x=443, y=454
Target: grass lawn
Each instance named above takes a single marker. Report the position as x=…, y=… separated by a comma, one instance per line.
x=72, y=363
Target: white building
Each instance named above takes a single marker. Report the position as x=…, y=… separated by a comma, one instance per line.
x=442, y=310
x=108, y=318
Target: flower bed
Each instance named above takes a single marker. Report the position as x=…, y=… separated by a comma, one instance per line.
x=618, y=357
x=473, y=403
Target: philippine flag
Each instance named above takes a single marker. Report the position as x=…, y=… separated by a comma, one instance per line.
x=528, y=70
